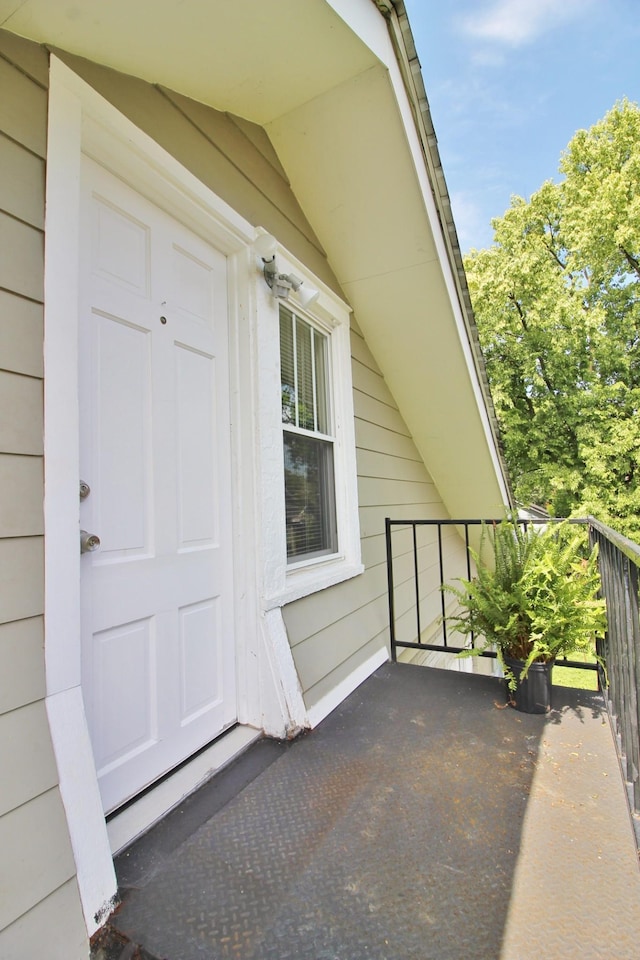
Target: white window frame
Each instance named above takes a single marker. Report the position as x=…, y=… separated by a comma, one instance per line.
x=314, y=433
x=287, y=581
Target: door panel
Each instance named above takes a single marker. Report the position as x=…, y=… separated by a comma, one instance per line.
x=197, y=500
x=158, y=669
x=121, y=434
x=200, y=657
x=125, y=660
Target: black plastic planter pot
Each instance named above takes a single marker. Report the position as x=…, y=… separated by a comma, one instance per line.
x=533, y=694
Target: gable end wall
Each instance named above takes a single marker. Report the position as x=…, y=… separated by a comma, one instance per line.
x=333, y=634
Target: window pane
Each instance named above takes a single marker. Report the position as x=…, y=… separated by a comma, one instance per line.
x=304, y=370
x=322, y=400
x=287, y=367
x=309, y=497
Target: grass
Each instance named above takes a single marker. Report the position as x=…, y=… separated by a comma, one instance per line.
x=574, y=677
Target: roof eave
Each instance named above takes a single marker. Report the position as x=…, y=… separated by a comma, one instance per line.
x=415, y=87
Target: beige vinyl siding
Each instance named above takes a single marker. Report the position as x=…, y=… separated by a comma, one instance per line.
x=22, y=184
x=20, y=496
x=47, y=924
x=34, y=842
x=37, y=874
x=21, y=335
x=333, y=632
x=21, y=422
x=22, y=677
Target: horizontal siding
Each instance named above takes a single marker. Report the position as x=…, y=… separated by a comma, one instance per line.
x=343, y=671
x=21, y=578
x=338, y=642
x=373, y=550
x=374, y=490
x=20, y=496
x=22, y=183
x=39, y=900
x=25, y=733
x=54, y=929
x=36, y=855
x=373, y=437
x=373, y=463
x=231, y=141
x=345, y=599
x=30, y=59
x=372, y=518
x=369, y=381
x=378, y=412
x=259, y=137
x=21, y=266
x=23, y=108
x=21, y=335
x=22, y=678
x=21, y=420
x=335, y=632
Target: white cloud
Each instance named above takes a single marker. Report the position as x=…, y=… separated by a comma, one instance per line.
x=516, y=22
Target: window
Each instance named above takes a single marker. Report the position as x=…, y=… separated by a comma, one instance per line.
x=309, y=518
x=308, y=438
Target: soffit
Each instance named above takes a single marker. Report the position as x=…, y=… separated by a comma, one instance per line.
x=250, y=57
x=350, y=164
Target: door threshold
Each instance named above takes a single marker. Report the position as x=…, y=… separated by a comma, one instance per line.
x=137, y=817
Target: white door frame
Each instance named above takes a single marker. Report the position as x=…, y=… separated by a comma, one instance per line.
x=268, y=693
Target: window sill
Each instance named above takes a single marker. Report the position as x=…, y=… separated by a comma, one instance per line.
x=304, y=581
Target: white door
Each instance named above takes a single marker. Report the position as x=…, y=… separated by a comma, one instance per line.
x=158, y=671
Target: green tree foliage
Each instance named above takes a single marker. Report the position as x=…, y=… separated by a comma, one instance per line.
x=557, y=302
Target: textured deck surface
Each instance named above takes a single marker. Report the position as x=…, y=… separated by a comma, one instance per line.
x=418, y=822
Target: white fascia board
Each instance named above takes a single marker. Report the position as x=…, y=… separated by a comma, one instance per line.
x=375, y=27
x=365, y=20
x=410, y=112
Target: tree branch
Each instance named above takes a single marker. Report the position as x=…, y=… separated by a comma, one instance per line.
x=633, y=262
x=571, y=434
x=550, y=246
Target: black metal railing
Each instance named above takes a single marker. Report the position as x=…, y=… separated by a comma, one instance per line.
x=619, y=560
x=429, y=553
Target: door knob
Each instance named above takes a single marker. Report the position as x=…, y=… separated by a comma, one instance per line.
x=88, y=542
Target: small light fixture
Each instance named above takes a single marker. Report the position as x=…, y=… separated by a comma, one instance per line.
x=265, y=246
x=281, y=284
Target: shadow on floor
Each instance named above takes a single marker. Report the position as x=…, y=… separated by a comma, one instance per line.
x=390, y=832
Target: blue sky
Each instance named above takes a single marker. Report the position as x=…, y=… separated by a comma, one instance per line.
x=509, y=82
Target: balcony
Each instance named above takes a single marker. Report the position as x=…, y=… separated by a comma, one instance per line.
x=424, y=555
x=422, y=820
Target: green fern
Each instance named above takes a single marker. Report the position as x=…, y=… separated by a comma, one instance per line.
x=534, y=598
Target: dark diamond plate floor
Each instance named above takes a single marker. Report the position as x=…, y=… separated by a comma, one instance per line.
x=390, y=832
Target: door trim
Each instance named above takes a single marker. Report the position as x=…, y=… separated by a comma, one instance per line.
x=81, y=120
